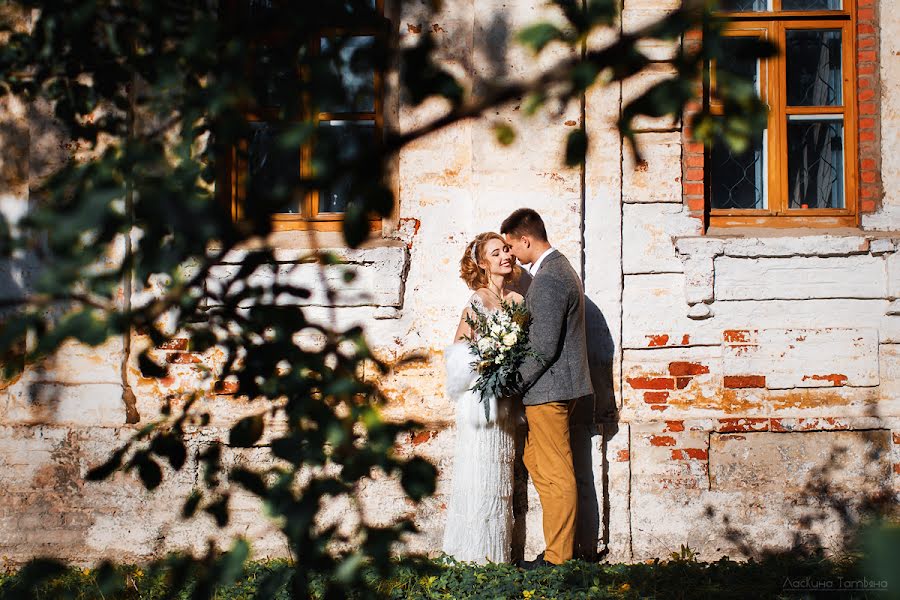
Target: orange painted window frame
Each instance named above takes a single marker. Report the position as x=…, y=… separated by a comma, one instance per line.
x=772, y=25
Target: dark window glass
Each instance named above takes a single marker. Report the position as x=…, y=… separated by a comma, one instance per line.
x=737, y=180
x=350, y=82
x=816, y=163
x=813, y=67
x=743, y=5
x=346, y=141
x=272, y=168
x=811, y=5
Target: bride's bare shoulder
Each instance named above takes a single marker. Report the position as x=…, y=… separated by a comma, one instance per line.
x=515, y=297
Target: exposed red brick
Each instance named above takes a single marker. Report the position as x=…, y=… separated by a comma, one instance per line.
x=897, y=468
x=694, y=175
x=695, y=148
x=656, y=397
x=682, y=382
x=679, y=368
x=183, y=358
x=895, y=437
x=867, y=123
x=659, y=407
x=867, y=163
x=865, y=29
x=690, y=454
x=867, y=206
x=745, y=381
x=174, y=344
x=651, y=383
x=421, y=437
x=685, y=340
x=736, y=335
x=836, y=380
x=693, y=189
x=225, y=387
x=654, y=341
x=867, y=136
x=696, y=203
x=742, y=424
x=677, y=426
x=662, y=440
x=694, y=160
x=623, y=455
x=869, y=176
x=867, y=108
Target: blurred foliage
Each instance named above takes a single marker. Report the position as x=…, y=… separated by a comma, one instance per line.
x=123, y=236
x=444, y=579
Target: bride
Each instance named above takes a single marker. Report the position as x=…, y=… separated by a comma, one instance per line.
x=479, y=514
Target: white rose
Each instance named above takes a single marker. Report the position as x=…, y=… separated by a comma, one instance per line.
x=510, y=339
x=484, y=344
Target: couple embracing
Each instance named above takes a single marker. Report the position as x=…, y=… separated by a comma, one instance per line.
x=550, y=378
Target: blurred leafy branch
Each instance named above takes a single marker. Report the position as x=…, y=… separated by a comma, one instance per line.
x=123, y=237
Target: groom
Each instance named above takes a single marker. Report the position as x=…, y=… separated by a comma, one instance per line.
x=552, y=385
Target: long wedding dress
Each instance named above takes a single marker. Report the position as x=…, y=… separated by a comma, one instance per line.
x=479, y=514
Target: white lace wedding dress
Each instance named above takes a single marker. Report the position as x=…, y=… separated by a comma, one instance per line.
x=479, y=514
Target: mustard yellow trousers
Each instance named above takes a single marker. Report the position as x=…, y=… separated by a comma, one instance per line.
x=548, y=458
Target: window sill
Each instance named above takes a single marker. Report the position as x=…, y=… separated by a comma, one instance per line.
x=790, y=248
x=379, y=267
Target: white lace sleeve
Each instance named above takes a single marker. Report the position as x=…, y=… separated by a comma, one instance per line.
x=477, y=302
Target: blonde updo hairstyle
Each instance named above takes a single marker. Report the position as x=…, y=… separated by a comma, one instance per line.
x=475, y=276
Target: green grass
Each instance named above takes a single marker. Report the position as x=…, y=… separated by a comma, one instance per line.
x=678, y=578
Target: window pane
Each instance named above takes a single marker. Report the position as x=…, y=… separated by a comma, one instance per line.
x=811, y=5
x=341, y=142
x=273, y=170
x=275, y=80
x=350, y=81
x=816, y=162
x=738, y=180
x=737, y=58
x=743, y=5
x=813, y=67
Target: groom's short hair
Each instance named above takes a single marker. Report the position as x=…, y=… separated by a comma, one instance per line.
x=524, y=221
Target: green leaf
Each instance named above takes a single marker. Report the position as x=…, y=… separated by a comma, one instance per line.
x=537, y=36
x=219, y=510
x=246, y=432
x=103, y=471
x=418, y=477
x=506, y=135
x=576, y=147
x=149, y=368
x=231, y=565
x=171, y=447
x=148, y=471
x=191, y=504
x=250, y=480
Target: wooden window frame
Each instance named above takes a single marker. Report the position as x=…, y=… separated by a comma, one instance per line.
x=233, y=172
x=772, y=25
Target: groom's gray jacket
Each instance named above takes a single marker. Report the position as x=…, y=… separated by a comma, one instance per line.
x=556, y=302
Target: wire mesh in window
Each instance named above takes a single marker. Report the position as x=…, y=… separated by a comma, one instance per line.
x=815, y=163
x=737, y=180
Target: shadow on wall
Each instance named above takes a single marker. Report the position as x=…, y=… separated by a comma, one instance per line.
x=595, y=420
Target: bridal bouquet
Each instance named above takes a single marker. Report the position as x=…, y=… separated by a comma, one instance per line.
x=499, y=343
